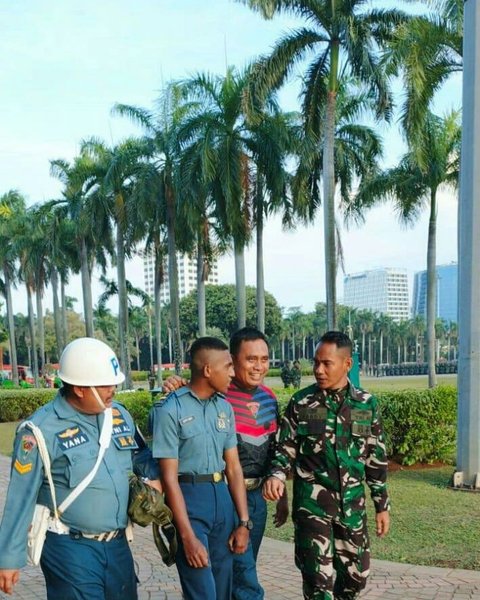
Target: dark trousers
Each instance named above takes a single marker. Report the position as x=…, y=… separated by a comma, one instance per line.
x=81, y=569
x=245, y=579
x=211, y=513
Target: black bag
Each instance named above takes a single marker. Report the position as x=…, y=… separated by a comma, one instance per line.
x=146, y=505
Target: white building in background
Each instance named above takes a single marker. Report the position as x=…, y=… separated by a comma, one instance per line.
x=380, y=290
x=187, y=275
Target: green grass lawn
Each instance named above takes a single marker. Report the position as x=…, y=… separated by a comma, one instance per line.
x=430, y=524
x=7, y=433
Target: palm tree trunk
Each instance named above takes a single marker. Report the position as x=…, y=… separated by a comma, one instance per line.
x=122, y=308
x=431, y=289
x=363, y=350
x=11, y=326
x=329, y=192
x=260, y=270
x=137, y=346
x=201, y=306
x=63, y=299
x=158, y=314
x=173, y=281
x=381, y=347
x=86, y=290
x=56, y=312
x=41, y=330
x=240, y=285
x=33, y=341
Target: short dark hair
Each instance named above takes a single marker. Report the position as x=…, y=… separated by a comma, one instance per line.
x=66, y=390
x=204, y=343
x=245, y=334
x=340, y=339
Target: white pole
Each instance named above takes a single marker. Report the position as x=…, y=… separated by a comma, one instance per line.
x=468, y=453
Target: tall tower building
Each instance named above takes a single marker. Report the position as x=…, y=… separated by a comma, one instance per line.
x=447, y=289
x=380, y=290
x=187, y=275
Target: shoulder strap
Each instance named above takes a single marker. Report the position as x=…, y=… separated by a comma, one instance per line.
x=105, y=437
x=43, y=451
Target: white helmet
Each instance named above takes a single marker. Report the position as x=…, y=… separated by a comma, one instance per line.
x=89, y=362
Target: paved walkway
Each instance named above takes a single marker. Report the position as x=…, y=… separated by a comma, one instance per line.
x=277, y=572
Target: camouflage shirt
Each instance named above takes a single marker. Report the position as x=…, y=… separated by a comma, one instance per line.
x=334, y=441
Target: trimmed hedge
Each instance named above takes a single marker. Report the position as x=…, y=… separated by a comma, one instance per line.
x=420, y=425
x=19, y=404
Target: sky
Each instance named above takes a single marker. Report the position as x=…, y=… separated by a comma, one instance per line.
x=63, y=65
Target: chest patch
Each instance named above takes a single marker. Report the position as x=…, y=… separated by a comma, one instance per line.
x=222, y=421
x=312, y=414
x=71, y=438
x=359, y=414
x=186, y=420
x=360, y=429
x=125, y=442
x=253, y=408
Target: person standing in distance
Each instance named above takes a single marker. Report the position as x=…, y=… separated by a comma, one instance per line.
x=92, y=531
x=256, y=421
x=332, y=438
x=195, y=442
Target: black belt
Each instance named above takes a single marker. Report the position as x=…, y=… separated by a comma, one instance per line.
x=203, y=478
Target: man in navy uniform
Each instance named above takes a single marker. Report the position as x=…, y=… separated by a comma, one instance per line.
x=195, y=441
x=88, y=558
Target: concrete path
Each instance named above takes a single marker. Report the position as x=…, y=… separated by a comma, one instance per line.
x=277, y=572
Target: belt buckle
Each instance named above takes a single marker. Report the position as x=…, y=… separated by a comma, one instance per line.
x=217, y=477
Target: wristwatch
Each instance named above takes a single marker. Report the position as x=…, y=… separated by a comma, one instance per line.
x=248, y=524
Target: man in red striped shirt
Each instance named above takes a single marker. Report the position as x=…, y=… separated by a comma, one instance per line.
x=256, y=422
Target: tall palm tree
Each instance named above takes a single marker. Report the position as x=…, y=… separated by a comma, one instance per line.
x=214, y=113
x=341, y=36
x=91, y=229
x=117, y=169
x=161, y=128
x=12, y=209
x=412, y=187
x=426, y=53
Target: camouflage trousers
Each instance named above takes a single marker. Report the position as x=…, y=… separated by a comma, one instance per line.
x=324, y=544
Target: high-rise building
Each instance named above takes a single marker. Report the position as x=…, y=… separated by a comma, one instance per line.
x=187, y=275
x=380, y=290
x=447, y=288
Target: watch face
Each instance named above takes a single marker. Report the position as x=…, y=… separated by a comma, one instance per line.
x=248, y=524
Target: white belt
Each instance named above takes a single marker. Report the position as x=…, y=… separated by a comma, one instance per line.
x=56, y=526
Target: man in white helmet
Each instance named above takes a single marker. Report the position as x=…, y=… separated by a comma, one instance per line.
x=88, y=557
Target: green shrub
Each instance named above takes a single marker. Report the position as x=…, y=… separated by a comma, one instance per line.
x=139, y=375
x=138, y=404
x=21, y=403
x=420, y=425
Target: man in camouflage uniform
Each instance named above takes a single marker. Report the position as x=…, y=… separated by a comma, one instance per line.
x=286, y=374
x=296, y=374
x=332, y=437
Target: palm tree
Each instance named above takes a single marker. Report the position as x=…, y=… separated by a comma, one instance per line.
x=365, y=318
x=426, y=52
x=343, y=36
x=12, y=208
x=161, y=128
x=412, y=187
x=215, y=115
x=90, y=227
x=215, y=121
x=117, y=169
